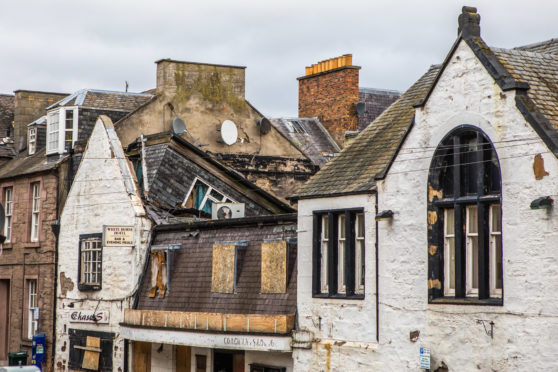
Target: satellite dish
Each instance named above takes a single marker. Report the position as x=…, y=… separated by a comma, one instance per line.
x=265, y=125
x=224, y=213
x=360, y=108
x=229, y=133
x=178, y=126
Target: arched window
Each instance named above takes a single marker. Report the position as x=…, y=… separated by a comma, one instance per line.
x=465, y=218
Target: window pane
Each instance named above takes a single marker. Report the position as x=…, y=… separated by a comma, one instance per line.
x=451, y=250
x=475, y=261
x=341, y=226
x=325, y=227
x=323, y=255
x=218, y=196
x=450, y=222
x=70, y=119
x=472, y=215
x=496, y=219
x=360, y=225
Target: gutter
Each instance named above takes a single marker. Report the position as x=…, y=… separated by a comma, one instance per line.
x=210, y=224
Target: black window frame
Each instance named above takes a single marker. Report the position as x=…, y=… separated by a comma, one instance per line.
x=481, y=186
x=333, y=254
x=90, y=287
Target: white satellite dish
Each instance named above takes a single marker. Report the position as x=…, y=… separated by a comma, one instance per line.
x=229, y=133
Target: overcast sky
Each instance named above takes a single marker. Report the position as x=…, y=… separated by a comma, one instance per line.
x=64, y=46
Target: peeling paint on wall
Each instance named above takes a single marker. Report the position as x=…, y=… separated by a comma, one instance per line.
x=538, y=167
x=66, y=284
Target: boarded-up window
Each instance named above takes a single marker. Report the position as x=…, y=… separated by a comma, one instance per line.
x=158, y=273
x=274, y=267
x=90, y=347
x=223, y=277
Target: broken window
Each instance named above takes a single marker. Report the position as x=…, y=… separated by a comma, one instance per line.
x=201, y=196
x=90, y=350
x=91, y=261
x=464, y=218
x=158, y=273
x=338, y=257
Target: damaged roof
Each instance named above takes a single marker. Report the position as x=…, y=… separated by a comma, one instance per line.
x=309, y=136
x=356, y=167
x=104, y=99
x=190, y=267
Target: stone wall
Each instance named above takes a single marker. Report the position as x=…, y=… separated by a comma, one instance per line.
x=331, y=96
x=22, y=259
x=28, y=107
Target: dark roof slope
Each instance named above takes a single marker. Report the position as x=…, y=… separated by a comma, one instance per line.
x=309, y=136
x=375, y=102
x=24, y=165
x=189, y=284
x=104, y=99
x=7, y=149
x=355, y=168
x=548, y=47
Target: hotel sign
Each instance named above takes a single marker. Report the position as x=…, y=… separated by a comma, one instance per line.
x=118, y=236
x=89, y=316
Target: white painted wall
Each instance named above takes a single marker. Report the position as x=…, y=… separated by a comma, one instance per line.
x=525, y=326
x=98, y=197
x=343, y=329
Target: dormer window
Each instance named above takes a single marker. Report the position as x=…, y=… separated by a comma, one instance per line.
x=61, y=130
x=32, y=140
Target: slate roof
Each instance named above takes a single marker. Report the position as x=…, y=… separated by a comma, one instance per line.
x=189, y=285
x=355, y=168
x=309, y=136
x=375, y=102
x=104, y=99
x=548, y=47
x=29, y=164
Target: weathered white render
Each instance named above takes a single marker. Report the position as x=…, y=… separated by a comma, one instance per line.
x=103, y=193
x=525, y=327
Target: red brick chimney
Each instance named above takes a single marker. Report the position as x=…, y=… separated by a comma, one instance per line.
x=329, y=91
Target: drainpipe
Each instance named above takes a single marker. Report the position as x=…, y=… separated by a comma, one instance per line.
x=55, y=227
x=377, y=247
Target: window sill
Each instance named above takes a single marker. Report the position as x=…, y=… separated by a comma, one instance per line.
x=7, y=246
x=26, y=342
x=89, y=287
x=339, y=296
x=32, y=245
x=467, y=301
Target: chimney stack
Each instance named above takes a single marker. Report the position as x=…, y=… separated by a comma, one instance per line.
x=469, y=23
x=329, y=91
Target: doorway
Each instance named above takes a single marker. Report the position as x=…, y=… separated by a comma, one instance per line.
x=4, y=317
x=228, y=361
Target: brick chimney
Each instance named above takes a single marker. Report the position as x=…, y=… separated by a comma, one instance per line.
x=329, y=91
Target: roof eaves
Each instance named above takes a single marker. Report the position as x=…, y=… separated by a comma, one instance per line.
x=371, y=190
x=538, y=121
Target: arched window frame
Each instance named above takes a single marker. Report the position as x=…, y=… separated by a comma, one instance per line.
x=464, y=209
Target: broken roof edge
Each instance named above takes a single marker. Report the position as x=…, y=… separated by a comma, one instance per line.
x=197, y=63
x=237, y=176
x=320, y=126
x=209, y=224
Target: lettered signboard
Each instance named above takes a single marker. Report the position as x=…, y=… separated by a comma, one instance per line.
x=118, y=236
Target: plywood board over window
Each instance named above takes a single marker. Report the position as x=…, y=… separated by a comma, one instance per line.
x=274, y=267
x=223, y=274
